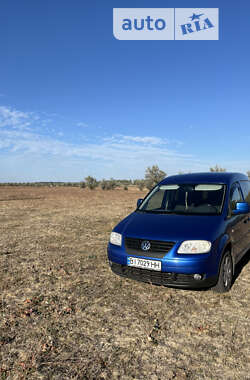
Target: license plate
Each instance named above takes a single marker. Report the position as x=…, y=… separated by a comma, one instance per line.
x=143, y=263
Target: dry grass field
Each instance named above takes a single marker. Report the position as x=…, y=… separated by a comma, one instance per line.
x=65, y=315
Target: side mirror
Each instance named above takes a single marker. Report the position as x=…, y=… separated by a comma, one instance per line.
x=139, y=202
x=241, y=208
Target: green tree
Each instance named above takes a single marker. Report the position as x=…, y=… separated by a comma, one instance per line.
x=217, y=168
x=153, y=175
x=91, y=182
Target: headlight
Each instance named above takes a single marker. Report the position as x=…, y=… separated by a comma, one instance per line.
x=115, y=238
x=195, y=246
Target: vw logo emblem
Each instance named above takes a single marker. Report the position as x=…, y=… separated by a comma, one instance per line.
x=145, y=245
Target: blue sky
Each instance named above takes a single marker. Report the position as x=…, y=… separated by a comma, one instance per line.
x=74, y=101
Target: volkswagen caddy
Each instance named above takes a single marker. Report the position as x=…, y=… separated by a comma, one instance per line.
x=189, y=231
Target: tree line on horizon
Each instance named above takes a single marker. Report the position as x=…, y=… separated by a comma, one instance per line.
x=153, y=175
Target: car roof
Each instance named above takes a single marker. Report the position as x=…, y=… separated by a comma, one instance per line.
x=209, y=177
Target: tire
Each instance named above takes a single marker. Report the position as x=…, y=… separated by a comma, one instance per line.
x=225, y=277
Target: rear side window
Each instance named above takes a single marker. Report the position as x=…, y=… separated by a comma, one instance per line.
x=245, y=186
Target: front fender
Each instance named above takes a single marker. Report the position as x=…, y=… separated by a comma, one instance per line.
x=222, y=246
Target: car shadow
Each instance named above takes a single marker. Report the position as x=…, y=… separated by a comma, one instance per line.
x=240, y=265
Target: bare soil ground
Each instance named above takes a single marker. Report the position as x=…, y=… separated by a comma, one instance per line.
x=65, y=315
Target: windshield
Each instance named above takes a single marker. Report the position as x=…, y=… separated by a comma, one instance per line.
x=185, y=199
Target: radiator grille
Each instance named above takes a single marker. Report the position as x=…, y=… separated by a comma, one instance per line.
x=158, y=248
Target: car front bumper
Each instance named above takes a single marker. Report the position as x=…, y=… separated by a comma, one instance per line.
x=181, y=280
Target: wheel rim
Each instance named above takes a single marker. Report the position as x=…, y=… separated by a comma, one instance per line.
x=227, y=272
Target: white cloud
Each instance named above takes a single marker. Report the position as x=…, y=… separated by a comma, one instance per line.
x=16, y=119
x=23, y=139
x=82, y=125
x=102, y=158
x=145, y=139
x=116, y=155
x=18, y=134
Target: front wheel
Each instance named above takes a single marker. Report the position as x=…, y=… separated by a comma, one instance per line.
x=225, y=274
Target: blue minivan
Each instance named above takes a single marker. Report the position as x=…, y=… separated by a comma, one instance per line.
x=189, y=231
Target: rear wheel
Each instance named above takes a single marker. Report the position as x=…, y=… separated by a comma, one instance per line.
x=225, y=275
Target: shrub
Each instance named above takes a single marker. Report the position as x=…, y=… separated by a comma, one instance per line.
x=112, y=183
x=91, y=182
x=141, y=184
x=108, y=184
x=103, y=184
x=82, y=185
x=125, y=188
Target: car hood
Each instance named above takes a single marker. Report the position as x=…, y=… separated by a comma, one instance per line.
x=171, y=227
